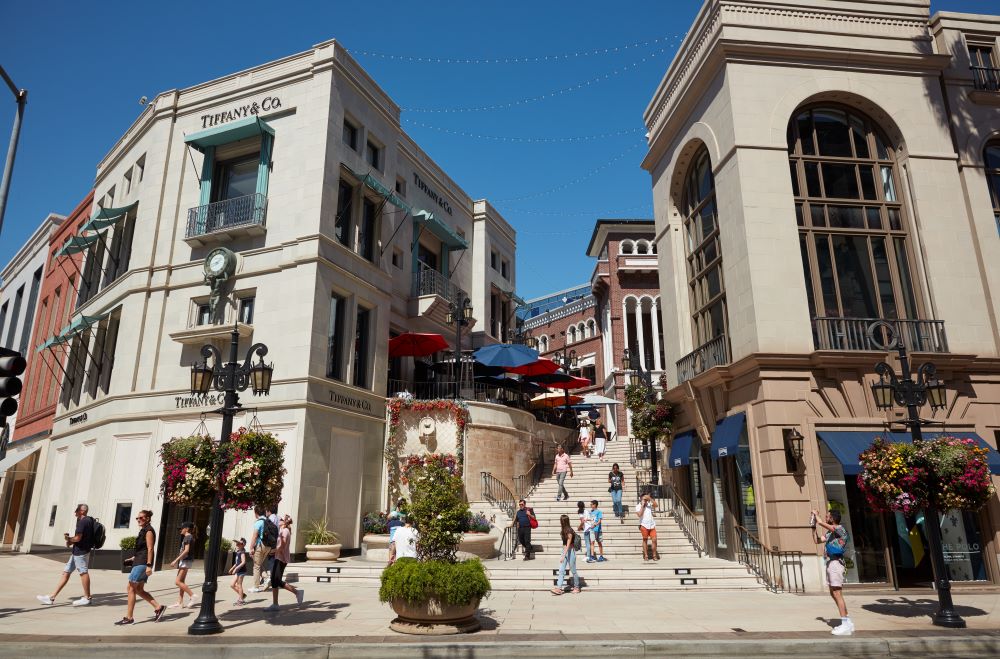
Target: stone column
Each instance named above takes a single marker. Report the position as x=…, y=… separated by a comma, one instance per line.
x=625, y=323
x=655, y=325
x=638, y=334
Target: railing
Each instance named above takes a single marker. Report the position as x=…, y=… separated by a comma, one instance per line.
x=831, y=333
x=779, y=571
x=526, y=483
x=564, y=311
x=695, y=529
x=639, y=452
x=713, y=353
x=986, y=78
x=498, y=494
x=508, y=543
x=643, y=484
x=228, y=214
x=431, y=282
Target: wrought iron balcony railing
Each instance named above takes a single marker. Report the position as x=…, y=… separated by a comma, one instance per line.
x=831, y=333
x=432, y=282
x=713, y=353
x=248, y=210
x=986, y=78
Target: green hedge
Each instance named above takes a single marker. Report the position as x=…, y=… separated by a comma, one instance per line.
x=451, y=583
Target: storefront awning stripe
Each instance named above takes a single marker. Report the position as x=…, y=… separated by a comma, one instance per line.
x=443, y=232
x=107, y=217
x=231, y=132
x=680, y=450
x=726, y=438
x=76, y=244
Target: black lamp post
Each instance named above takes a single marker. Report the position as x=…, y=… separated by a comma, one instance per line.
x=905, y=391
x=638, y=376
x=459, y=313
x=568, y=361
x=520, y=336
x=230, y=378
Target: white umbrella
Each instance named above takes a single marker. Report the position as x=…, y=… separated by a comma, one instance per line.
x=597, y=399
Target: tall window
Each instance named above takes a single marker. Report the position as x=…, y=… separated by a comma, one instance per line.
x=850, y=217
x=704, y=253
x=350, y=135
x=373, y=155
x=3, y=317
x=235, y=178
x=335, y=338
x=984, y=68
x=342, y=223
x=367, y=229
x=361, y=344
x=991, y=157
x=120, y=251
x=29, y=313
x=18, y=297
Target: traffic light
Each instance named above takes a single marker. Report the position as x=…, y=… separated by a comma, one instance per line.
x=12, y=364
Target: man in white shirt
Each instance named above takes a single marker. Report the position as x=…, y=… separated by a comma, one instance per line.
x=647, y=525
x=406, y=540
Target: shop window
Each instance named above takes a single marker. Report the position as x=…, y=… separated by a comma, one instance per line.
x=373, y=155
x=590, y=372
x=351, y=135
x=247, y=305
x=123, y=515
x=362, y=347
x=336, y=338
x=342, y=223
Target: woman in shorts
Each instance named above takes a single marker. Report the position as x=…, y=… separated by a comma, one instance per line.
x=585, y=439
x=183, y=562
x=142, y=569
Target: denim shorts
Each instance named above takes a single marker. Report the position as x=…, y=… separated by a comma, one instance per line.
x=138, y=574
x=78, y=563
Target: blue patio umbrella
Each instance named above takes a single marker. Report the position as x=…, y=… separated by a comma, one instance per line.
x=505, y=355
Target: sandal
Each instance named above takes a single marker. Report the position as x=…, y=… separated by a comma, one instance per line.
x=575, y=590
x=557, y=591
x=126, y=621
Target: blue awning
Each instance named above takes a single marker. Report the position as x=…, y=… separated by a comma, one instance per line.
x=847, y=445
x=231, y=132
x=680, y=450
x=726, y=437
x=444, y=233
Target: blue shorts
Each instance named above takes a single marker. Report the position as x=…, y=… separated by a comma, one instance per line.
x=138, y=574
x=78, y=563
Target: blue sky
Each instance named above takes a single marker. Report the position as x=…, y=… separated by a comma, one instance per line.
x=85, y=65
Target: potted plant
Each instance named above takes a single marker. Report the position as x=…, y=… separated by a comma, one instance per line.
x=435, y=593
x=225, y=548
x=321, y=542
x=127, y=545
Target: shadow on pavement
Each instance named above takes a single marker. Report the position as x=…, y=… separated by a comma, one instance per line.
x=289, y=615
x=904, y=607
x=486, y=619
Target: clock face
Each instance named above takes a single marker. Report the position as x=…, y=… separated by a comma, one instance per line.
x=217, y=262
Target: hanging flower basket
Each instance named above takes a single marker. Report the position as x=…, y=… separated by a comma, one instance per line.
x=188, y=468
x=253, y=469
x=947, y=473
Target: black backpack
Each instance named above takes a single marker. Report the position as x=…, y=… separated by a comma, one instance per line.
x=99, y=534
x=270, y=538
x=577, y=543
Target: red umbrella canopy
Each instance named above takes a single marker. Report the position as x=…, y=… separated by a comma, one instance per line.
x=543, y=366
x=561, y=381
x=412, y=344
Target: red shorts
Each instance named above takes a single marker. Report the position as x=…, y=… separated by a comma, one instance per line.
x=647, y=533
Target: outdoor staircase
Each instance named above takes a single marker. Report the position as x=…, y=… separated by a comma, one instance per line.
x=680, y=567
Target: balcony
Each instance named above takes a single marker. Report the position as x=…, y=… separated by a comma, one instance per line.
x=224, y=220
x=853, y=334
x=985, y=79
x=432, y=293
x=714, y=353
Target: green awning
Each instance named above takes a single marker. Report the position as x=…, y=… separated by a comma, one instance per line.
x=51, y=342
x=76, y=244
x=81, y=324
x=107, y=217
x=231, y=132
x=448, y=237
x=383, y=191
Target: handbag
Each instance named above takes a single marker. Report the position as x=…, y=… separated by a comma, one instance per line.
x=532, y=522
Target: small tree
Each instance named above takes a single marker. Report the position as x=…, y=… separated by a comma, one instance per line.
x=438, y=508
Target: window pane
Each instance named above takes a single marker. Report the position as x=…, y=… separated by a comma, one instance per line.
x=812, y=179
x=874, y=218
x=846, y=217
x=342, y=222
x=237, y=178
x=805, y=134
x=817, y=213
x=824, y=264
x=716, y=315
x=804, y=248
x=832, y=133
x=361, y=348
x=707, y=219
x=795, y=178
x=884, y=279
x=246, y=310
x=705, y=184
x=860, y=140
x=840, y=181
x=798, y=215
x=993, y=157
x=366, y=231
x=714, y=279
x=905, y=282
x=854, y=276
x=895, y=223
x=880, y=148
x=888, y=186
x=867, y=174
x=710, y=251
x=204, y=314
x=335, y=345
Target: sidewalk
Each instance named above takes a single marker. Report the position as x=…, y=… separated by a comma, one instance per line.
x=629, y=623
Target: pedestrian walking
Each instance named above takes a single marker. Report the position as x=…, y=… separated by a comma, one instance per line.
x=596, y=534
x=600, y=439
x=561, y=466
x=586, y=523
x=80, y=544
x=647, y=525
x=262, y=541
x=567, y=561
x=239, y=570
x=834, y=544
x=282, y=557
x=183, y=562
x=272, y=514
x=142, y=569
x=616, y=486
x=406, y=539
x=522, y=527
x=585, y=439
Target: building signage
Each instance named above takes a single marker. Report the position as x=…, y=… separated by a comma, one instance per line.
x=427, y=190
x=242, y=112
x=80, y=418
x=199, y=401
x=351, y=402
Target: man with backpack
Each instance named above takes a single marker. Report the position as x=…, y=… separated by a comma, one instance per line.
x=89, y=535
x=262, y=543
x=835, y=544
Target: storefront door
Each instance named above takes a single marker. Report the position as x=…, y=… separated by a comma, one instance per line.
x=961, y=540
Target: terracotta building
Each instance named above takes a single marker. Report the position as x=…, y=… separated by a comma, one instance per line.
x=817, y=167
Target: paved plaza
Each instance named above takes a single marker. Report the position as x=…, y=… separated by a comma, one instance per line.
x=336, y=615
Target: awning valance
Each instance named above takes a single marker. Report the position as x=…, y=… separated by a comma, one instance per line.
x=442, y=231
x=17, y=451
x=81, y=324
x=51, y=342
x=231, y=132
x=107, y=217
x=383, y=191
x=76, y=244
x=847, y=445
x=680, y=450
x=726, y=438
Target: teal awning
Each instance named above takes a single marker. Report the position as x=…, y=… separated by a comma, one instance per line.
x=81, y=324
x=107, y=217
x=76, y=244
x=231, y=132
x=383, y=191
x=443, y=232
x=51, y=342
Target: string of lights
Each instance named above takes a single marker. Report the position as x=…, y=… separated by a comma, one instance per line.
x=587, y=212
x=529, y=59
x=526, y=140
x=541, y=97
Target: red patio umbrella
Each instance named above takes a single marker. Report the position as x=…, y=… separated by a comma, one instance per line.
x=543, y=366
x=412, y=344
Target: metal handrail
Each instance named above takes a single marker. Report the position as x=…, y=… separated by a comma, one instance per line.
x=779, y=571
x=226, y=214
x=918, y=335
x=985, y=78
x=708, y=355
x=429, y=281
x=508, y=543
x=497, y=493
x=695, y=529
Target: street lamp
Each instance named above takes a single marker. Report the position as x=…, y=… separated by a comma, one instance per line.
x=21, y=97
x=519, y=335
x=459, y=313
x=638, y=376
x=905, y=391
x=229, y=378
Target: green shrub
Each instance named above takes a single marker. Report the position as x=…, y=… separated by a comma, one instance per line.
x=438, y=508
x=317, y=533
x=127, y=543
x=226, y=546
x=450, y=583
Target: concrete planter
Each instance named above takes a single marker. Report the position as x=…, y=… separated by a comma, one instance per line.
x=473, y=545
x=434, y=618
x=323, y=552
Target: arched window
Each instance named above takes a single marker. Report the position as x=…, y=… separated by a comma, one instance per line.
x=571, y=335
x=591, y=328
x=642, y=247
x=543, y=344
x=581, y=331
x=627, y=247
x=991, y=157
x=704, y=253
x=851, y=230
x=652, y=248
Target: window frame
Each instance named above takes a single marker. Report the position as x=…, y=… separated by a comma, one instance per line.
x=336, y=336
x=246, y=301
x=361, y=358
x=704, y=257
x=355, y=133
x=343, y=221
x=374, y=154
x=993, y=178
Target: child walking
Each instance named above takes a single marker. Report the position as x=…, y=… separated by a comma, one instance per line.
x=239, y=570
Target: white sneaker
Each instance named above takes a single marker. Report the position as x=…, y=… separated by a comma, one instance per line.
x=83, y=601
x=300, y=595
x=254, y=590
x=44, y=599
x=273, y=607
x=844, y=629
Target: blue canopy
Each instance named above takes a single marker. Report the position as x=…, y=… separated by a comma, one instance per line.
x=506, y=355
x=726, y=437
x=680, y=450
x=847, y=445
x=230, y=132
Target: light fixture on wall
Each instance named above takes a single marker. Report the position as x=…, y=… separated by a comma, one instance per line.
x=795, y=444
